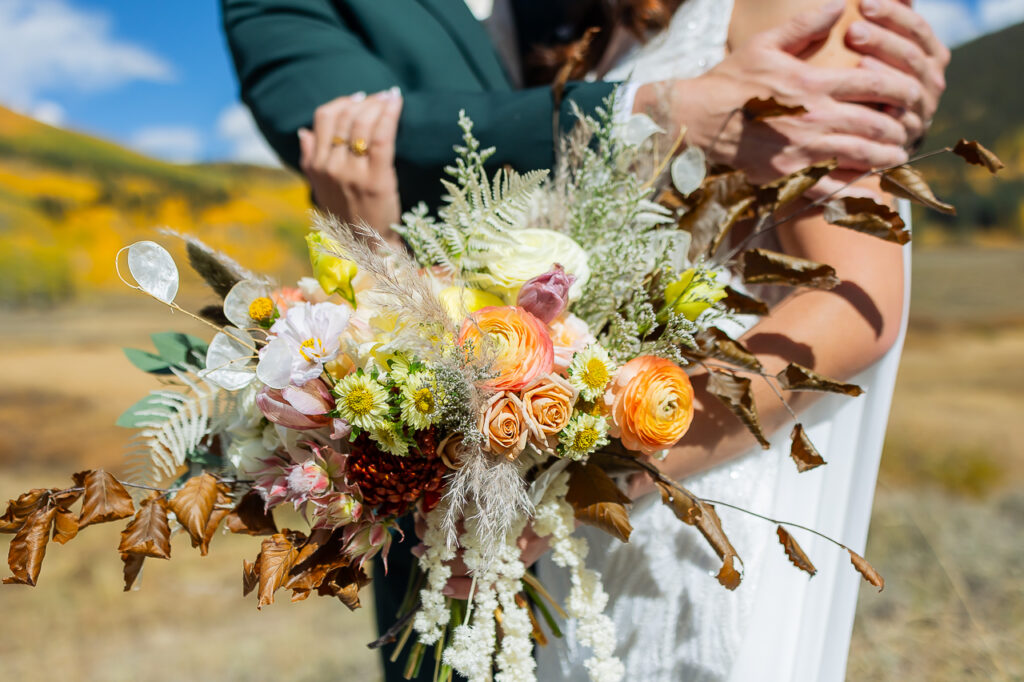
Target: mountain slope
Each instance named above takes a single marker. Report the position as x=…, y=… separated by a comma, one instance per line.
x=983, y=101
x=69, y=201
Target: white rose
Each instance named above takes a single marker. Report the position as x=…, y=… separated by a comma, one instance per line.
x=538, y=252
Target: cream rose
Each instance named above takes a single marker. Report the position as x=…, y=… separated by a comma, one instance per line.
x=537, y=252
x=502, y=423
x=547, y=407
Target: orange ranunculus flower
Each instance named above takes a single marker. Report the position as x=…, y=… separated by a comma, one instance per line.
x=502, y=423
x=520, y=342
x=651, y=404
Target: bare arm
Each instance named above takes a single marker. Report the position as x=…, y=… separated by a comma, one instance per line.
x=838, y=332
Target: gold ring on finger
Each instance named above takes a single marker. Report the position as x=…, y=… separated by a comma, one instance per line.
x=338, y=141
x=359, y=147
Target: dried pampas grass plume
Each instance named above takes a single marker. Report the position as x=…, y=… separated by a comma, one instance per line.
x=218, y=270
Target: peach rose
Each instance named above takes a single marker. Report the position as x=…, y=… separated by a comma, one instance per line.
x=651, y=404
x=523, y=346
x=547, y=407
x=570, y=335
x=502, y=424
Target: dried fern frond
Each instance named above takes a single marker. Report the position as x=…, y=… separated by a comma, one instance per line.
x=176, y=426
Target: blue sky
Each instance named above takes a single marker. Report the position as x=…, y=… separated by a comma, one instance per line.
x=155, y=74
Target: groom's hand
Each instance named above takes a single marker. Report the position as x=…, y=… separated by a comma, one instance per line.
x=895, y=37
x=771, y=64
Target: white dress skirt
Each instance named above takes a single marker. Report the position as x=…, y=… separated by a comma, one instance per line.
x=674, y=621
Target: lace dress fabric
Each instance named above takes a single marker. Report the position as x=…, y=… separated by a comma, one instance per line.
x=674, y=621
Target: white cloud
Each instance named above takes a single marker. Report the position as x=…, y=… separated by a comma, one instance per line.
x=47, y=112
x=236, y=127
x=997, y=14
x=48, y=45
x=179, y=144
x=952, y=20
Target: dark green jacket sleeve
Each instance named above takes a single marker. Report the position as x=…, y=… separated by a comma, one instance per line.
x=294, y=55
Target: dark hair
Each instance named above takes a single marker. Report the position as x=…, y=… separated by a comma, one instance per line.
x=639, y=17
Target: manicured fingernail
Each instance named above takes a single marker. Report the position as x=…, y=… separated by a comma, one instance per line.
x=858, y=33
x=358, y=96
x=869, y=7
x=395, y=92
x=448, y=591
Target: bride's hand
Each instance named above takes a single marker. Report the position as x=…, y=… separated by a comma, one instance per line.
x=349, y=159
x=770, y=64
x=895, y=37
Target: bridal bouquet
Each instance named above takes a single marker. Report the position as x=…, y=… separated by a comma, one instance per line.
x=530, y=352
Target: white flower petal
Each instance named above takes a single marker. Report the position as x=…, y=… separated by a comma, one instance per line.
x=275, y=366
x=227, y=361
x=154, y=270
x=638, y=128
x=236, y=303
x=689, y=169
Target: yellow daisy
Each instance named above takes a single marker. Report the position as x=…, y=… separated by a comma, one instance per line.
x=590, y=371
x=362, y=402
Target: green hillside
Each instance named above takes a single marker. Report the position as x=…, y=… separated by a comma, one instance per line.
x=69, y=201
x=983, y=101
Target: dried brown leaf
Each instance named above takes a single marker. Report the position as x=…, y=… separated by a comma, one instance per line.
x=974, y=152
x=222, y=508
x=193, y=506
x=736, y=394
x=65, y=526
x=691, y=510
x=20, y=509
x=743, y=304
x=715, y=343
x=789, y=188
x=866, y=570
x=867, y=216
x=760, y=108
x=149, y=533
x=761, y=266
x=728, y=576
x=250, y=575
x=276, y=560
x=105, y=499
x=799, y=378
x=25, y=556
x=597, y=501
x=344, y=583
x=717, y=206
x=132, y=568
x=803, y=451
x=908, y=183
x=250, y=516
x=795, y=553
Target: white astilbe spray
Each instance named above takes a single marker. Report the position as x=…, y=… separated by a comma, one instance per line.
x=554, y=517
x=433, y=616
x=473, y=644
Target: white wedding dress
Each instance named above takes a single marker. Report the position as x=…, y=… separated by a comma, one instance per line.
x=674, y=621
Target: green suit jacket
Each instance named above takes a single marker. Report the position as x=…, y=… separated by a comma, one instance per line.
x=294, y=55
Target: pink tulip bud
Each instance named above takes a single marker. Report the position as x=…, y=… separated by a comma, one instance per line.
x=547, y=295
x=297, y=407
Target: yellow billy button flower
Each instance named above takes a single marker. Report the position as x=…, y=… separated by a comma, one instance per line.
x=693, y=293
x=261, y=310
x=590, y=371
x=334, y=274
x=362, y=402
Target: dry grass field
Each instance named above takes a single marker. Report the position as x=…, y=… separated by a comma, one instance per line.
x=946, y=529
